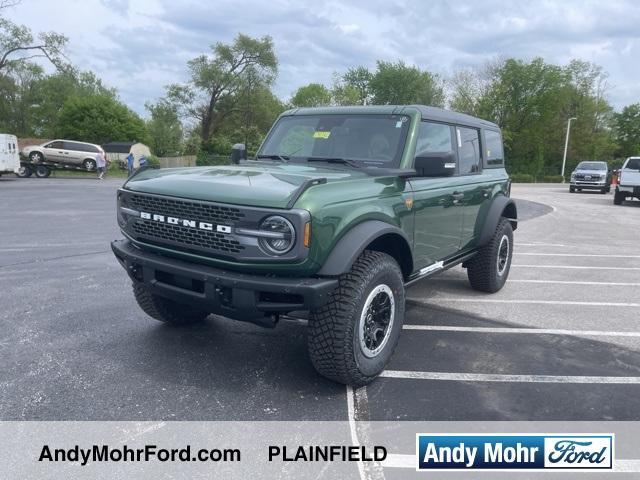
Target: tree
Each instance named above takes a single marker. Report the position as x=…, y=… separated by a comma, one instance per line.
x=211, y=94
x=399, y=84
x=356, y=86
x=311, y=95
x=99, y=119
x=164, y=128
x=18, y=45
x=627, y=131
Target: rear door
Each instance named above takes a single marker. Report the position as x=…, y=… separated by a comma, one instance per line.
x=437, y=213
x=476, y=187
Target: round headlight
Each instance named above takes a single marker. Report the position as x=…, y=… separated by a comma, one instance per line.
x=283, y=238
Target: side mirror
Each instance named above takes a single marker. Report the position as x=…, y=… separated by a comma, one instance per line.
x=435, y=164
x=238, y=152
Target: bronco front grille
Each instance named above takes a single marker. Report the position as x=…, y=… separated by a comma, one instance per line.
x=195, y=240
x=185, y=209
x=161, y=232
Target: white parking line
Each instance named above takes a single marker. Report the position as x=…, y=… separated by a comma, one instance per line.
x=540, y=245
x=537, y=331
x=530, y=302
x=574, y=266
x=569, y=282
x=491, y=377
x=534, y=254
x=397, y=460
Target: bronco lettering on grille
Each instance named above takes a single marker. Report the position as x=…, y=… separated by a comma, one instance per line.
x=185, y=223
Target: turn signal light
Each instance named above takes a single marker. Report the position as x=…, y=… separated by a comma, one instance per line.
x=307, y=234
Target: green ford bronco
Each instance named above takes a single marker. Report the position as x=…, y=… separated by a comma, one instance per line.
x=341, y=209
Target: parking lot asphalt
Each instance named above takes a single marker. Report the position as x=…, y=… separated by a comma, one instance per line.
x=560, y=342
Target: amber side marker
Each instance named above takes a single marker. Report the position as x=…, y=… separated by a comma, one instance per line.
x=307, y=234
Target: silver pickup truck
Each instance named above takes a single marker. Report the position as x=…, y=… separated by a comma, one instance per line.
x=628, y=181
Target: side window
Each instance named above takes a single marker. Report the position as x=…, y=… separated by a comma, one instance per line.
x=89, y=148
x=434, y=137
x=70, y=146
x=468, y=150
x=494, y=154
x=56, y=144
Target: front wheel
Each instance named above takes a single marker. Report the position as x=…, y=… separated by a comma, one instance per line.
x=618, y=198
x=489, y=269
x=89, y=165
x=36, y=157
x=572, y=189
x=352, y=337
x=24, y=172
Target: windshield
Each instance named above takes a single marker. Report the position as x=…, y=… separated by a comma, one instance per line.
x=372, y=140
x=591, y=166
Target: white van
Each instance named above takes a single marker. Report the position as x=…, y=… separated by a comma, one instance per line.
x=9, y=158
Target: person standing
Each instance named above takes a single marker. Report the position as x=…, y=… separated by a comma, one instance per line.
x=101, y=164
x=130, y=163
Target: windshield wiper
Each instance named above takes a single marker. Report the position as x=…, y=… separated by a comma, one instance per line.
x=282, y=158
x=344, y=161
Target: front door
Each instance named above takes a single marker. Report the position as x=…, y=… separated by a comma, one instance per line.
x=436, y=202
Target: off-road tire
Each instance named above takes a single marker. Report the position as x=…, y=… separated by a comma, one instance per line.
x=618, y=198
x=334, y=335
x=166, y=310
x=483, y=270
x=572, y=189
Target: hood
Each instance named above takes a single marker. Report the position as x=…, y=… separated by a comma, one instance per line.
x=264, y=184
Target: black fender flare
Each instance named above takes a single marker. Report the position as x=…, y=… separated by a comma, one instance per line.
x=496, y=211
x=354, y=242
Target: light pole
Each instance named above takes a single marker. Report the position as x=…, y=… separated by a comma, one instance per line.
x=566, y=146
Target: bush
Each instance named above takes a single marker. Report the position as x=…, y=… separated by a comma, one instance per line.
x=204, y=159
x=522, y=178
x=553, y=179
x=153, y=161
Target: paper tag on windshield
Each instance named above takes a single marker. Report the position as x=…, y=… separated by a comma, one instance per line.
x=399, y=124
x=321, y=134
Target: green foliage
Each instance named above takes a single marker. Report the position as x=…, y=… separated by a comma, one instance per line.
x=522, y=178
x=99, y=119
x=216, y=81
x=205, y=159
x=627, y=130
x=153, y=161
x=399, y=84
x=311, y=95
x=553, y=179
x=164, y=129
x=18, y=44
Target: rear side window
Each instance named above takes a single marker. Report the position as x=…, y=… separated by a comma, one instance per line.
x=434, y=137
x=468, y=150
x=633, y=164
x=70, y=146
x=494, y=153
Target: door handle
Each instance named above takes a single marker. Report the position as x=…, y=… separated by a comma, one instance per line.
x=457, y=196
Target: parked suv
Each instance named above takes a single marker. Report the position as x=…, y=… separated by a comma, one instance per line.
x=591, y=176
x=340, y=210
x=68, y=152
x=628, y=181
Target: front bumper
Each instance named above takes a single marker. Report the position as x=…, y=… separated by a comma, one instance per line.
x=252, y=298
x=586, y=184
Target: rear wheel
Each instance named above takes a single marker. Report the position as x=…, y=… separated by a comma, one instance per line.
x=24, y=172
x=42, y=171
x=166, y=310
x=89, y=165
x=352, y=338
x=36, y=157
x=489, y=269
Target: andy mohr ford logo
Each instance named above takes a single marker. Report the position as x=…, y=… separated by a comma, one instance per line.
x=185, y=223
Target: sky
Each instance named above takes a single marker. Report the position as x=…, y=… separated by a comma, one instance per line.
x=139, y=46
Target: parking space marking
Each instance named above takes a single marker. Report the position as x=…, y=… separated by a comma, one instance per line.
x=602, y=255
x=540, y=245
x=503, y=378
x=577, y=282
x=538, y=331
x=398, y=460
x=574, y=266
x=530, y=302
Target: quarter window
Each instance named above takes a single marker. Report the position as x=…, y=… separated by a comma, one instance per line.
x=494, y=153
x=468, y=150
x=434, y=137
